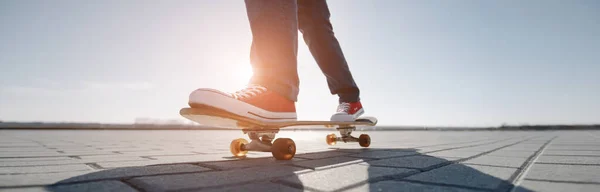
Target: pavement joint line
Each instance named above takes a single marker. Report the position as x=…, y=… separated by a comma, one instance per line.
x=573, y=155
x=419, y=169
x=126, y=182
x=148, y=157
x=499, y=166
x=94, y=166
x=121, y=178
x=517, y=179
x=74, y=157
x=450, y=143
x=468, y=146
x=561, y=181
x=457, y=162
x=293, y=185
x=446, y=185
x=578, y=164
x=573, y=150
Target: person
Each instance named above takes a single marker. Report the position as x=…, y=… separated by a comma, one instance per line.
x=274, y=86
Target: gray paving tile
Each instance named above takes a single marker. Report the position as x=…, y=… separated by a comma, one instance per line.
x=69, y=161
x=510, y=153
x=212, y=179
x=457, y=153
x=467, y=175
x=33, y=159
x=321, y=155
x=521, y=148
x=573, y=147
x=514, y=162
x=569, y=160
x=406, y=186
x=572, y=173
x=90, y=186
x=260, y=186
x=571, y=152
x=421, y=162
x=528, y=186
x=43, y=169
x=136, y=172
x=326, y=163
x=37, y=179
x=30, y=154
x=378, y=154
x=247, y=162
x=329, y=179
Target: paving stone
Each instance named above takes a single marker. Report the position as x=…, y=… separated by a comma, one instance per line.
x=69, y=161
x=571, y=153
x=457, y=153
x=118, y=173
x=212, y=179
x=30, y=154
x=421, y=162
x=569, y=160
x=33, y=159
x=248, y=162
x=331, y=179
x=514, y=162
x=26, y=149
x=467, y=175
x=521, y=148
x=576, y=147
x=528, y=186
x=510, y=153
x=406, y=186
x=321, y=155
x=484, y=148
x=38, y=179
x=327, y=163
x=379, y=154
x=261, y=186
x=163, y=160
x=89, y=186
x=43, y=169
x=572, y=173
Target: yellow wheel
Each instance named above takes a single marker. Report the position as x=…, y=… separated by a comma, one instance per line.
x=364, y=140
x=236, y=147
x=283, y=149
x=331, y=139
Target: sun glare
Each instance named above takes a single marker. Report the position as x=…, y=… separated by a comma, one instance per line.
x=243, y=73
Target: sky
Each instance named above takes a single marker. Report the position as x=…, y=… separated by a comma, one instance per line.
x=431, y=63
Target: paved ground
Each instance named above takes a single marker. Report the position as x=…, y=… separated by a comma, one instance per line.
x=396, y=161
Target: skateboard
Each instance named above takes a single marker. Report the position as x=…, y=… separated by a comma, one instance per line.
x=262, y=133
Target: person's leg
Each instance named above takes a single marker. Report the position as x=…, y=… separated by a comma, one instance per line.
x=313, y=22
x=273, y=88
x=273, y=54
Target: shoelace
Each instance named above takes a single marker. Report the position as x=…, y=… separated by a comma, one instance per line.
x=250, y=91
x=344, y=107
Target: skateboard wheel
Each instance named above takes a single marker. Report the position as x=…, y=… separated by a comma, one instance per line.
x=236, y=147
x=331, y=139
x=283, y=149
x=364, y=140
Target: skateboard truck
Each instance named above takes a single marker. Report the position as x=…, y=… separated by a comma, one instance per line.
x=363, y=140
x=281, y=148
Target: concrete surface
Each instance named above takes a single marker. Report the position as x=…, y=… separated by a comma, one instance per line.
x=194, y=160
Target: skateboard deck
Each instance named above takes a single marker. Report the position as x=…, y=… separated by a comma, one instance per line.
x=213, y=116
x=262, y=133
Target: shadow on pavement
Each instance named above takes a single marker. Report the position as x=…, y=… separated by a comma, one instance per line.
x=367, y=169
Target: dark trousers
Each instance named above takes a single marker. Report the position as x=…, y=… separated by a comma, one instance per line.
x=274, y=25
